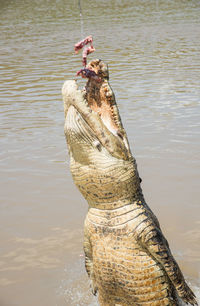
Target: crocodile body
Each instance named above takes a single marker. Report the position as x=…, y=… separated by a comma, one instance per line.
x=127, y=257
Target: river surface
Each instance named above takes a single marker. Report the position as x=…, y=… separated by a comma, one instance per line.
x=153, y=52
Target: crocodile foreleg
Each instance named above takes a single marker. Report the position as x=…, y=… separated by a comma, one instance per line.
x=157, y=246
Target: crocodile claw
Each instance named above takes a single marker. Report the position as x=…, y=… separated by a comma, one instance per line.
x=93, y=288
x=188, y=296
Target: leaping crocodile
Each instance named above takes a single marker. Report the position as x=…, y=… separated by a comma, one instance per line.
x=127, y=257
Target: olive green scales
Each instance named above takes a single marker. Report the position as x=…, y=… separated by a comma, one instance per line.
x=127, y=257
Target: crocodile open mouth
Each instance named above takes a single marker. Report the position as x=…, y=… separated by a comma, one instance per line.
x=97, y=107
x=100, y=96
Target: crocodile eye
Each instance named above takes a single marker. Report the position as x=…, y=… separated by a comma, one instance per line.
x=120, y=135
x=97, y=144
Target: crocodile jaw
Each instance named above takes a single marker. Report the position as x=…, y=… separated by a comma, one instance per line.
x=97, y=106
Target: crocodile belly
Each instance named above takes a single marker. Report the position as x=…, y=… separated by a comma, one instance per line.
x=125, y=273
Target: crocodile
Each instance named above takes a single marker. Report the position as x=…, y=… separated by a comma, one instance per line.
x=127, y=257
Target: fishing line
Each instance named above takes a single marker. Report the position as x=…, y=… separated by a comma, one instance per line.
x=81, y=19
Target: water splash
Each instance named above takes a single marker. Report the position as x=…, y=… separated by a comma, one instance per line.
x=75, y=287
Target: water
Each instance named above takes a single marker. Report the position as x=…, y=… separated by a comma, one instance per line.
x=152, y=48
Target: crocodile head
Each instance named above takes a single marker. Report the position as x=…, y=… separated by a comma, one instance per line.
x=96, y=107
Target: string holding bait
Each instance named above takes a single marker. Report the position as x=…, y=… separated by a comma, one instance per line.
x=81, y=19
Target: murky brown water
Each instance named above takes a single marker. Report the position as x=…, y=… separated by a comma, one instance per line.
x=153, y=51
